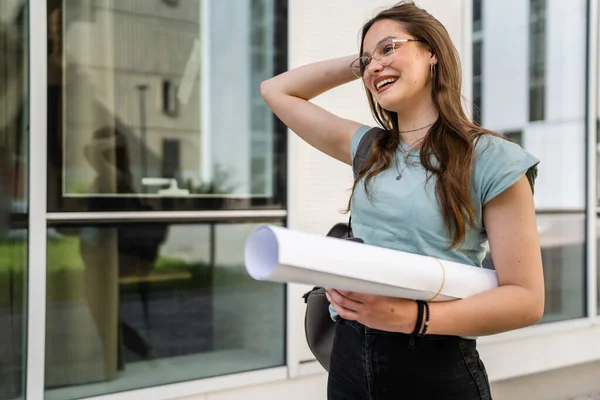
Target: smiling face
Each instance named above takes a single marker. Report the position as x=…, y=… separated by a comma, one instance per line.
x=406, y=80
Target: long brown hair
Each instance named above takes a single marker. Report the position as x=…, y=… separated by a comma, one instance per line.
x=451, y=138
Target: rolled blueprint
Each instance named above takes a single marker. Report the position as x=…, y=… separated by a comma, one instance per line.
x=283, y=255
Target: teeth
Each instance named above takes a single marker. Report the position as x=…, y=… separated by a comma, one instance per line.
x=383, y=82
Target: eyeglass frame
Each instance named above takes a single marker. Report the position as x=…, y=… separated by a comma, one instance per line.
x=394, y=41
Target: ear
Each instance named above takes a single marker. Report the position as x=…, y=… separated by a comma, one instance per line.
x=433, y=60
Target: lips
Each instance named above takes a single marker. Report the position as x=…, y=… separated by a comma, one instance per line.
x=384, y=82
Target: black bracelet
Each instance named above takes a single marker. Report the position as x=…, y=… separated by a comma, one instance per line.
x=419, y=318
x=415, y=332
x=426, y=325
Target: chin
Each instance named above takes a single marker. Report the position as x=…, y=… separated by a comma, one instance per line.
x=391, y=99
x=391, y=103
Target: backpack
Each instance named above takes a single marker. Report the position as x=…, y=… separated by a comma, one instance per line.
x=319, y=328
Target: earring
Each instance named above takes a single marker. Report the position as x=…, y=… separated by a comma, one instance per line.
x=431, y=69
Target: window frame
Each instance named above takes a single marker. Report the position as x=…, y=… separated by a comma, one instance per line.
x=537, y=35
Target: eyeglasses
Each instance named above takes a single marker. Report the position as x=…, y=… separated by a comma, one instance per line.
x=384, y=54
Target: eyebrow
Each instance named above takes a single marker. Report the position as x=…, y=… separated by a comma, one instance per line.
x=381, y=41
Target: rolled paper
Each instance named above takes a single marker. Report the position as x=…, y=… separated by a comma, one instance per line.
x=284, y=255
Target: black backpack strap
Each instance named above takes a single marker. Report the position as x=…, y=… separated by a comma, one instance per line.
x=364, y=148
x=362, y=153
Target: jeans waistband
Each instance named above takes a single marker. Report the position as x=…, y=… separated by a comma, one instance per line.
x=400, y=335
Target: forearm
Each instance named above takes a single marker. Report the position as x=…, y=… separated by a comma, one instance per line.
x=502, y=309
x=309, y=81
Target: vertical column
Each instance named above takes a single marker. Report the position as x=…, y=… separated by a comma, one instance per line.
x=36, y=282
x=592, y=154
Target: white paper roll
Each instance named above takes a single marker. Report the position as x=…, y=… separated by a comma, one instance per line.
x=282, y=255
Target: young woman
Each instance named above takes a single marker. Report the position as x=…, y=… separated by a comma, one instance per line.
x=434, y=184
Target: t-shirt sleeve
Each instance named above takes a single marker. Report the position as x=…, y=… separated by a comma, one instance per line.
x=499, y=164
x=356, y=138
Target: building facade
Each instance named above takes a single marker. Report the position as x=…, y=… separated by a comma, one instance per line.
x=137, y=155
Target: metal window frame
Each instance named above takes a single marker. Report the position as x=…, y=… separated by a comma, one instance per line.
x=592, y=155
x=36, y=249
x=164, y=216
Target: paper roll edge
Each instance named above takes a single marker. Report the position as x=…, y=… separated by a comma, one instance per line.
x=261, y=252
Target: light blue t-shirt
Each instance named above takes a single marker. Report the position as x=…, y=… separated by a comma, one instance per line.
x=405, y=214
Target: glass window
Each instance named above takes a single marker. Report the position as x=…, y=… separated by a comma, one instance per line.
x=515, y=137
x=477, y=60
x=146, y=98
x=537, y=59
x=477, y=14
x=548, y=119
x=144, y=304
x=562, y=238
x=14, y=98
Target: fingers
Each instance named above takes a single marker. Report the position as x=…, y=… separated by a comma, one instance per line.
x=345, y=307
x=345, y=313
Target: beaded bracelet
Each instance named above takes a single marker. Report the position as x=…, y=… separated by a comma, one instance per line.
x=426, y=324
x=415, y=332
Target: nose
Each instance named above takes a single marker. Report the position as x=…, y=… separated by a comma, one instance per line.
x=374, y=67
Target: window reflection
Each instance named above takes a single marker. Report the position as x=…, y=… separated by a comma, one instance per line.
x=562, y=238
x=13, y=275
x=13, y=195
x=168, y=89
x=477, y=59
x=537, y=59
x=138, y=305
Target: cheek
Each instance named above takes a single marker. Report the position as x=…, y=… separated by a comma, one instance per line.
x=369, y=85
x=417, y=75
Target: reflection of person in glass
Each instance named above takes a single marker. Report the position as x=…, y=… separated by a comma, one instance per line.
x=13, y=199
x=108, y=154
x=432, y=181
x=11, y=117
x=137, y=245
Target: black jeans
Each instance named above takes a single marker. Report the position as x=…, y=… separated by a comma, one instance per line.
x=368, y=364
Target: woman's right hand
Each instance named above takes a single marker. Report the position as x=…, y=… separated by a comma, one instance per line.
x=289, y=94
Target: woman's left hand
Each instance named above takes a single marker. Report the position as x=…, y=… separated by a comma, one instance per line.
x=378, y=312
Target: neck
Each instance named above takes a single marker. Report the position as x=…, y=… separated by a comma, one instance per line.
x=417, y=119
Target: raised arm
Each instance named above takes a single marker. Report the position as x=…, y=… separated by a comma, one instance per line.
x=289, y=94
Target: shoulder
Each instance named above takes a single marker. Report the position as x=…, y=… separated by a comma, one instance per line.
x=492, y=149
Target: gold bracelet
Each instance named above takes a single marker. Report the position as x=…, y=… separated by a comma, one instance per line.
x=443, y=279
